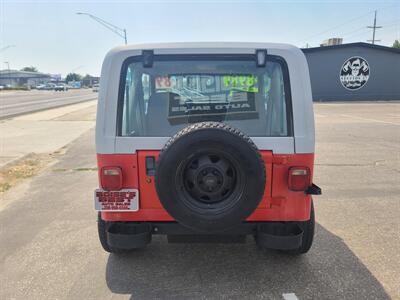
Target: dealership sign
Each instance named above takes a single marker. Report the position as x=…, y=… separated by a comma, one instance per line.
x=55, y=77
x=354, y=73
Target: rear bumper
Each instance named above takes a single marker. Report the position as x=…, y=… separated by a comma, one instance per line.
x=273, y=235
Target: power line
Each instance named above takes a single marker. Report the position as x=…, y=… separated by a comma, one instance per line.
x=351, y=33
x=363, y=32
x=347, y=22
x=374, y=28
x=396, y=22
x=338, y=26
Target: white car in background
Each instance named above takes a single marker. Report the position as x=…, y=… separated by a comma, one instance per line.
x=61, y=87
x=95, y=87
x=40, y=87
x=46, y=87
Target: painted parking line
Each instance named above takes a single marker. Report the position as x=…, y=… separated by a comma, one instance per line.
x=290, y=296
x=370, y=120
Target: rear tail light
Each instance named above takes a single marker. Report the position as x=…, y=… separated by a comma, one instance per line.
x=299, y=178
x=111, y=178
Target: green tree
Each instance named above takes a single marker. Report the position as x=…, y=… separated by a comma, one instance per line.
x=30, y=69
x=396, y=44
x=87, y=77
x=73, y=77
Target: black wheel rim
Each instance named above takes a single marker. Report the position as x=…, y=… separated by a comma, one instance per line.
x=209, y=179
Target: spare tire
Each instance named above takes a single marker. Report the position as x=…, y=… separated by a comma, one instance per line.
x=210, y=177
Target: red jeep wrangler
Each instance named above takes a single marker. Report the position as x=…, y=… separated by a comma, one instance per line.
x=205, y=142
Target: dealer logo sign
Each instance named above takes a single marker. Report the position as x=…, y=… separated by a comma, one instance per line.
x=354, y=73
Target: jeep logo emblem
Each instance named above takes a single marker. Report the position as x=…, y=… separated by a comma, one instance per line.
x=354, y=73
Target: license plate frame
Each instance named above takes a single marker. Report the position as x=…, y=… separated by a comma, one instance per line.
x=124, y=200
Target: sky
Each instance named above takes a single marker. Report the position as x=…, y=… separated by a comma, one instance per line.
x=52, y=37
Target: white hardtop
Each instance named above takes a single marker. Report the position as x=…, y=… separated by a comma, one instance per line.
x=194, y=47
x=107, y=141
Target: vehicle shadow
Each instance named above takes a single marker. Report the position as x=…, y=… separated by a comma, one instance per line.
x=214, y=271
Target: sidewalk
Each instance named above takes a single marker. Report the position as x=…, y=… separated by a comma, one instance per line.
x=44, y=132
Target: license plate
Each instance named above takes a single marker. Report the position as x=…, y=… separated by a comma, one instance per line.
x=122, y=200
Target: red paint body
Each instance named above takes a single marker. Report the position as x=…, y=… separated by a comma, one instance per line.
x=278, y=203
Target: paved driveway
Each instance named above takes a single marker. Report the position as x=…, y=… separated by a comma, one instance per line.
x=49, y=247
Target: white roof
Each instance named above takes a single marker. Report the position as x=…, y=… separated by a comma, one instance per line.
x=203, y=45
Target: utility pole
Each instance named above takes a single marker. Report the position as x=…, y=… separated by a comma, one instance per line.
x=373, y=31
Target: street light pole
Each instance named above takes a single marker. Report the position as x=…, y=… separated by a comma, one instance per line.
x=6, y=62
x=77, y=68
x=6, y=47
x=117, y=30
x=9, y=72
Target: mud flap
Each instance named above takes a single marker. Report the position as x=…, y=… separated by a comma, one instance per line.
x=279, y=236
x=129, y=236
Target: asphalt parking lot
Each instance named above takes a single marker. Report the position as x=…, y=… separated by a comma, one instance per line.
x=50, y=250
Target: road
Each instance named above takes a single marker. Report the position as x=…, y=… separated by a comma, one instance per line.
x=13, y=103
x=50, y=250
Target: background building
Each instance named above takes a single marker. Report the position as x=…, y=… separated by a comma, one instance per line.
x=89, y=81
x=332, y=42
x=356, y=71
x=22, y=78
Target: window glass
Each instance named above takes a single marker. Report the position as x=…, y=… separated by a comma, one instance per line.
x=161, y=100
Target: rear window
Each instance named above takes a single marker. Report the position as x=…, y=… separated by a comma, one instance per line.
x=162, y=99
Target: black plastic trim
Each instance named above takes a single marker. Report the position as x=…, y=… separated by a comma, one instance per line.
x=272, y=235
x=265, y=56
x=150, y=165
x=314, y=190
x=147, y=58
